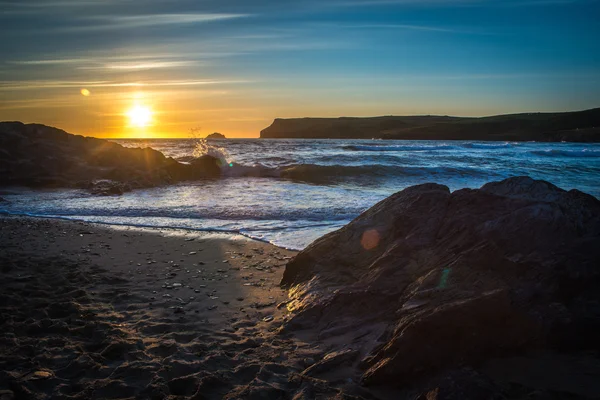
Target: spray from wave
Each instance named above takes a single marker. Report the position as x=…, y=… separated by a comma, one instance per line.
x=204, y=148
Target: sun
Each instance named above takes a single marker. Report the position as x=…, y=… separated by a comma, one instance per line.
x=139, y=116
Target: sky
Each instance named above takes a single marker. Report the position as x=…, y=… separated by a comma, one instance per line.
x=175, y=68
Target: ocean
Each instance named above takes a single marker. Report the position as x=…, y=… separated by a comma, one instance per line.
x=290, y=192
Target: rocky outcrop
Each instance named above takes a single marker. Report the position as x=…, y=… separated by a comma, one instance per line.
x=216, y=135
x=581, y=126
x=41, y=156
x=428, y=282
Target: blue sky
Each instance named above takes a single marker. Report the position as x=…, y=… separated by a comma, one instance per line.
x=232, y=65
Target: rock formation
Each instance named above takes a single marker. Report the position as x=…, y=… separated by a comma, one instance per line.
x=581, y=126
x=41, y=156
x=436, y=289
x=216, y=135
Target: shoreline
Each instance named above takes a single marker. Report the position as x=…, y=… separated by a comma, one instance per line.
x=208, y=231
x=88, y=311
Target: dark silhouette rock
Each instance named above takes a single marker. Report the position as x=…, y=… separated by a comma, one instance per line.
x=216, y=135
x=41, y=156
x=428, y=281
x=579, y=126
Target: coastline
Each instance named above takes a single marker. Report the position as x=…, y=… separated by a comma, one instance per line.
x=221, y=234
x=90, y=311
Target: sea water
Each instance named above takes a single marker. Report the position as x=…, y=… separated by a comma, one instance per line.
x=290, y=192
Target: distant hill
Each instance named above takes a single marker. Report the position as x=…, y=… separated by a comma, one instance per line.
x=579, y=126
x=216, y=135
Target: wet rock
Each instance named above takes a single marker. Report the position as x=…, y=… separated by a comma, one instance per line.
x=42, y=156
x=331, y=361
x=108, y=188
x=431, y=280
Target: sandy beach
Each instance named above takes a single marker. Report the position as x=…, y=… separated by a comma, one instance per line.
x=92, y=311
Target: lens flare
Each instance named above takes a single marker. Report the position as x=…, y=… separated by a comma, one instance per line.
x=85, y=92
x=370, y=239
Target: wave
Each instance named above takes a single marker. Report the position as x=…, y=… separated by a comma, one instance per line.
x=566, y=153
x=360, y=147
x=319, y=174
x=317, y=216
x=204, y=148
x=488, y=145
x=255, y=232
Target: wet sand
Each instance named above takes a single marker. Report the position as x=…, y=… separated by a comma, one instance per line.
x=91, y=311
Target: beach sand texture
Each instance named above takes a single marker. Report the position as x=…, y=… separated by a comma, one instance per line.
x=88, y=311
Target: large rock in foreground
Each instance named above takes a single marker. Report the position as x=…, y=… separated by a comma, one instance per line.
x=427, y=282
x=42, y=156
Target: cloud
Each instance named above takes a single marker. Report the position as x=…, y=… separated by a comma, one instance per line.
x=150, y=20
x=398, y=26
x=145, y=65
x=366, y=3
x=50, y=84
x=454, y=3
x=50, y=62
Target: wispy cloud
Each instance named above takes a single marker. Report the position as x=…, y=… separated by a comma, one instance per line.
x=399, y=26
x=140, y=66
x=366, y=3
x=49, y=84
x=454, y=3
x=537, y=3
x=139, y=21
x=146, y=58
x=57, y=61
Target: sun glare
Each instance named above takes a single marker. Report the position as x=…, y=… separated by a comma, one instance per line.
x=139, y=116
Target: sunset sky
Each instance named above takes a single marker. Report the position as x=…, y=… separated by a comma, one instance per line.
x=158, y=68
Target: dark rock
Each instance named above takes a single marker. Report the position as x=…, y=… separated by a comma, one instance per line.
x=108, y=188
x=428, y=281
x=41, y=156
x=331, y=361
x=216, y=135
x=578, y=126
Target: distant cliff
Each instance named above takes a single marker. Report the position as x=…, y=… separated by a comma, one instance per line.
x=579, y=126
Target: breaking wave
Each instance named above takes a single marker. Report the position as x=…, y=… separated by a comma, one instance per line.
x=490, y=146
x=321, y=174
x=204, y=148
x=566, y=153
x=383, y=147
